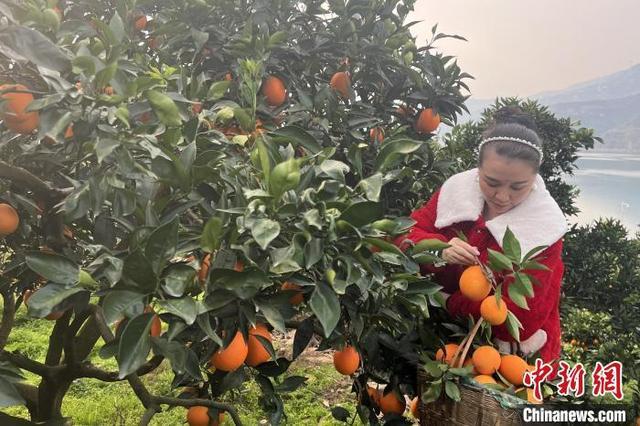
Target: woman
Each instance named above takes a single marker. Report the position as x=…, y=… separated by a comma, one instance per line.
x=504, y=191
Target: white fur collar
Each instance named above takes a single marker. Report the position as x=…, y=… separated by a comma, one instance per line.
x=536, y=221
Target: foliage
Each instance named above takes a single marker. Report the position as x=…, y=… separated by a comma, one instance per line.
x=156, y=148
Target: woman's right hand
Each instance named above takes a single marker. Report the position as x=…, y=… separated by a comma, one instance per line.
x=460, y=253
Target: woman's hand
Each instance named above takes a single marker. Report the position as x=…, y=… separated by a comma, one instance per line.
x=460, y=253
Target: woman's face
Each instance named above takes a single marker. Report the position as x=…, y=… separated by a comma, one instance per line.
x=504, y=182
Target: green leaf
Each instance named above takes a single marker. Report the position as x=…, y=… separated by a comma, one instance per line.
x=334, y=169
x=340, y=414
x=394, y=151
x=430, y=244
x=372, y=187
x=433, y=369
x=22, y=43
x=161, y=245
x=524, y=283
x=104, y=147
x=244, y=284
x=533, y=252
x=218, y=89
x=184, y=308
x=117, y=27
x=433, y=392
x=53, y=267
x=517, y=295
x=272, y=314
x=452, y=391
x=277, y=38
x=138, y=272
x=9, y=396
x=499, y=262
x=48, y=297
x=178, y=279
x=384, y=245
x=511, y=246
x=284, y=177
x=205, y=325
x=117, y=302
x=264, y=231
x=211, y=235
x=363, y=213
x=326, y=306
x=513, y=326
x=532, y=265
x=164, y=107
x=135, y=344
x=105, y=75
x=297, y=136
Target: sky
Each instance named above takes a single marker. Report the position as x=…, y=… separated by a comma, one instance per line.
x=524, y=47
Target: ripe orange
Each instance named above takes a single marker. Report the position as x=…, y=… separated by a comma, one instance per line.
x=415, y=407
x=297, y=297
x=238, y=266
x=199, y=416
x=392, y=403
x=491, y=312
x=196, y=107
x=486, y=360
x=474, y=285
x=9, y=219
x=347, y=360
x=233, y=356
x=140, y=23
x=257, y=352
x=14, y=113
x=274, y=91
x=204, y=269
x=428, y=121
x=68, y=134
x=450, y=349
x=108, y=91
x=485, y=379
x=341, y=83
x=153, y=43
x=156, y=324
x=376, y=134
x=512, y=368
x=228, y=76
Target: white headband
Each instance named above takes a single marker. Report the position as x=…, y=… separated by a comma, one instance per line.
x=509, y=138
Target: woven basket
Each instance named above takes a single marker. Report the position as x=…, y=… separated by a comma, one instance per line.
x=477, y=406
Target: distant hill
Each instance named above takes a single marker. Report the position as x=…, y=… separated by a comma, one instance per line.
x=609, y=104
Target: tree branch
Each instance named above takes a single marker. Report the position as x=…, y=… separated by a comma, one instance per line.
x=55, y=340
x=27, y=179
x=30, y=395
x=70, y=334
x=91, y=371
x=8, y=314
x=25, y=363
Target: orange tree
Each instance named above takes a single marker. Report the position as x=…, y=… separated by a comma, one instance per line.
x=221, y=166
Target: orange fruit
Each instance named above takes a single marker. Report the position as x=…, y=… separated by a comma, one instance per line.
x=204, y=269
x=512, y=368
x=199, y=416
x=257, y=352
x=491, y=312
x=485, y=379
x=233, y=356
x=414, y=407
x=140, y=23
x=14, y=113
x=58, y=12
x=486, y=360
x=9, y=219
x=108, y=91
x=274, y=91
x=238, y=266
x=298, y=296
x=450, y=349
x=196, y=107
x=376, y=134
x=228, y=76
x=68, y=134
x=391, y=403
x=428, y=121
x=347, y=360
x=341, y=83
x=474, y=285
x=532, y=398
x=156, y=324
x=468, y=362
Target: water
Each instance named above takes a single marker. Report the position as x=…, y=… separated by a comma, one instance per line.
x=609, y=187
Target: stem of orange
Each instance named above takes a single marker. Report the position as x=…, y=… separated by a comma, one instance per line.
x=469, y=341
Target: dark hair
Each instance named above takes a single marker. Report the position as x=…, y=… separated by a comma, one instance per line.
x=512, y=121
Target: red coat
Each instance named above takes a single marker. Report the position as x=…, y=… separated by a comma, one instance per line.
x=543, y=307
